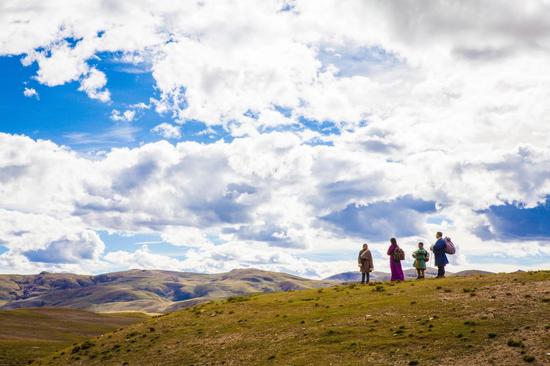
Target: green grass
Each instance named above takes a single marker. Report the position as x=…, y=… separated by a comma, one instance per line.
x=407, y=323
x=27, y=334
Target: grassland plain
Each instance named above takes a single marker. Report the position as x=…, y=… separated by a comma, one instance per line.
x=26, y=334
x=501, y=319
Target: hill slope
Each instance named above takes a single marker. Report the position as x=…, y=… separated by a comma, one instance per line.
x=140, y=290
x=493, y=319
x=26, y=334
x=472, y=272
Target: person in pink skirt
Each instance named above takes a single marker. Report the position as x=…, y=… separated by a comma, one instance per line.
x=395, y=254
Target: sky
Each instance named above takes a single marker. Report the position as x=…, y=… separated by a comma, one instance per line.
x=210, y=135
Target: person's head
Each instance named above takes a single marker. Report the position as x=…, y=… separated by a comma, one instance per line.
x=420, y=245
x=393, y=241
x=439, y=235
x=365, y=246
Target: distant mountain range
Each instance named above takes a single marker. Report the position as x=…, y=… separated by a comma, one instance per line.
x=151, y=291
x=409, y=274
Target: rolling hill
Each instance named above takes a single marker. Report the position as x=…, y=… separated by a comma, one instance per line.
x=472, y=272
x=26, y=334
x=149, y=291
x=500, y=319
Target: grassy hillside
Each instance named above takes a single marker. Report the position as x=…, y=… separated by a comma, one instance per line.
x=139, y=290
x=493, y=319
x=26, y=334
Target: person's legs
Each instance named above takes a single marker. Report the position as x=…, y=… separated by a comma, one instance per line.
x=418, y=274
x=440, y=271
x=368, y=277
x=421, y=274
x=363, y=277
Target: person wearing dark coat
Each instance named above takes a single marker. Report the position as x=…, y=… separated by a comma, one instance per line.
x=366, y=266
x=439, y=254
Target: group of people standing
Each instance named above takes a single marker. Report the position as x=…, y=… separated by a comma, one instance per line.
x=421, y=257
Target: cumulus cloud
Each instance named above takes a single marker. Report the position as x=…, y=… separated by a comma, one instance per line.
x=515, y=221
x=143, y=259
x=127, y=116
x=400, y=217
x=167, y=130
x=323, y=61
x=38, y=239
x=59, y=65
x=185, y=236
x=31, y=93
x=85, y=245
x=93, y=84
x=270, y=191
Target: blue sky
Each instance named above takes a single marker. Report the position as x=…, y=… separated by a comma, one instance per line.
x=154, y=142
x=68, y=117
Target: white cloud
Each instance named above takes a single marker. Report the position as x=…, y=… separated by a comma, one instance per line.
x=142, y=259
x=127, y=116
x=167, y=130
x=31, y=93
x=186, y=236
x=75, y=248
x=263, y=196
x=36, y=241
x=60, y=65
x=93, y=84
x=140, y=105
x=214, y=70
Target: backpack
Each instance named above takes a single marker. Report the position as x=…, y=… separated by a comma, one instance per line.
x=426, y=255
x=398, y=254
x=449, y=246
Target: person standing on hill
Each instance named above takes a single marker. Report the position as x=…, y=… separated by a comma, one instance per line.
x=365, y=263
x=396, y=256
x=420, y=256
x=439, y=254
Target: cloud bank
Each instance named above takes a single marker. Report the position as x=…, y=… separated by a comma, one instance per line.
x=272, y=197
x=349, y=121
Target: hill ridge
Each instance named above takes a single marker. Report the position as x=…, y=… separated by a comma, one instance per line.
x=152, y=291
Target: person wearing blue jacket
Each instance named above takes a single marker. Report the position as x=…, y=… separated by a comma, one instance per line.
x=439, y=254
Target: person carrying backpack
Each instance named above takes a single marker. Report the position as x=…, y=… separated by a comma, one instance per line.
x=396, y=256
x=440, y=254
x=420, y=256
